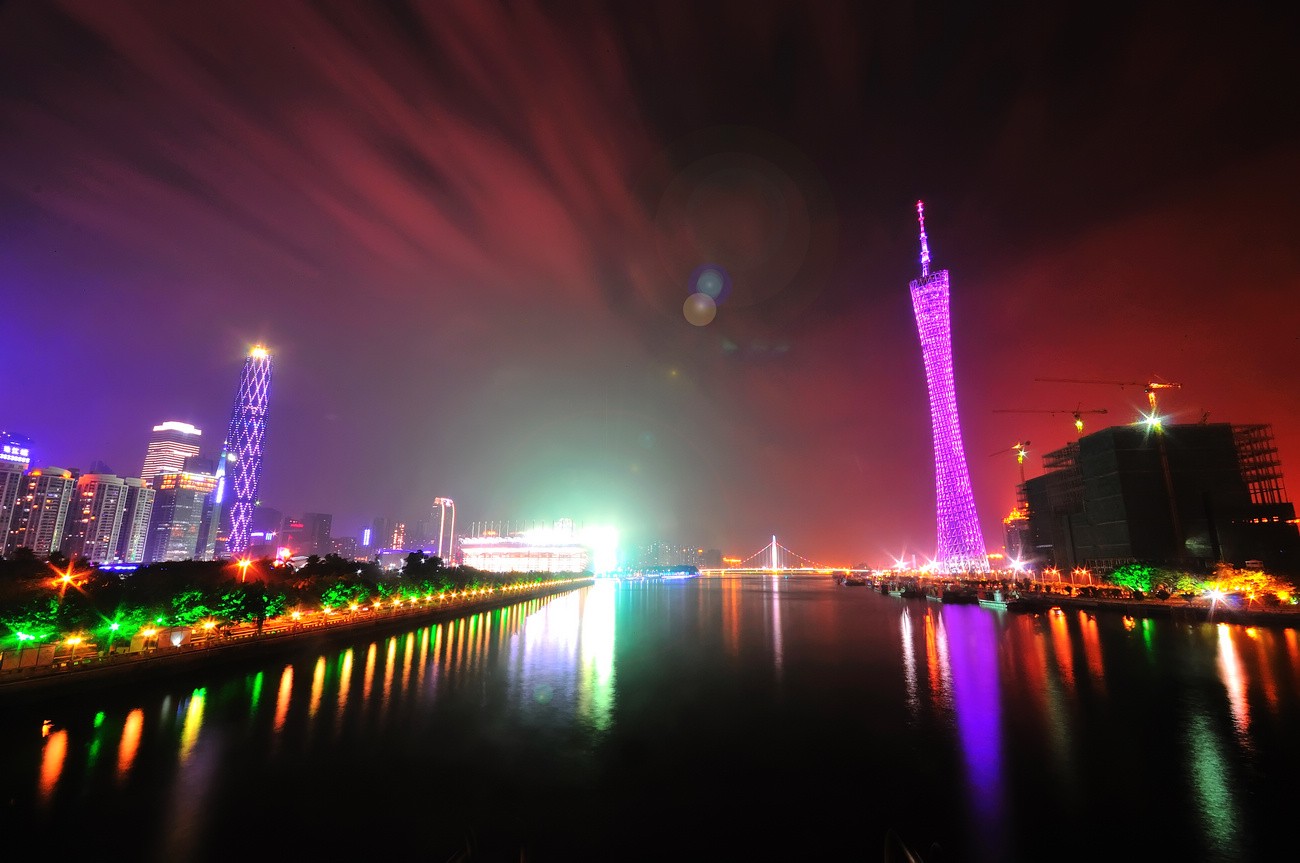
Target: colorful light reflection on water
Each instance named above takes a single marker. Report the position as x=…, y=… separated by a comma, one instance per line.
x=988, y=733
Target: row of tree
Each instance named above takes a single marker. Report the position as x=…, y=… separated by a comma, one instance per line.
x=57, y=597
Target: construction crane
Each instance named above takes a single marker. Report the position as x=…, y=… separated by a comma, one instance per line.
x=1148, y=387
x=1077, y=413
x=1021, y=449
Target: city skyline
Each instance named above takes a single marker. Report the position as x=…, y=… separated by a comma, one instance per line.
x=468, y=239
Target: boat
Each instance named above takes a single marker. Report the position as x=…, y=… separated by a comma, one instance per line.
x=903, y=591
x=853, y=579
x=952, y=595
x=999, y=600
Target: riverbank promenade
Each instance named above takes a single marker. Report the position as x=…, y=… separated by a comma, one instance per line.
x=1044, y=596
x=168, y=651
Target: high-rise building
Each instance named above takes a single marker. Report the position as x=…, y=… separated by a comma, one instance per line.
x=11, y=483
x=1187, y=496
x=317, y=539
x=961, y=542
x=137, y=509
x=15, y=449
x=41, y=510
x=293, y=536
x=344, y=546
x=245, y=442
x=181, y=513
x=96, y=518
x=170, y=444
x=444, y=518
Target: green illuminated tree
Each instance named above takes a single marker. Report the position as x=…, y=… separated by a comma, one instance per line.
x=1134, y=576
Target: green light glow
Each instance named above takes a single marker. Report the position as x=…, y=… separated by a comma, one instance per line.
x=1210, y=782
x=257, y=691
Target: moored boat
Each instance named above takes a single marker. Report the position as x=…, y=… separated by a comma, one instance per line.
x=1000, y=600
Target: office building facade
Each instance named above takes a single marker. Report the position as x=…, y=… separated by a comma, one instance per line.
x=170, y=443
x=178, y=526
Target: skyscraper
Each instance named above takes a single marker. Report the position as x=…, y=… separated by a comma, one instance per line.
x=242, y=457
x=961, y=543
x=11, y=483
x=444, y=516
x=177, y=526
x=41, y=510
x=137, y=509
x=95, y=517
x=169, y=445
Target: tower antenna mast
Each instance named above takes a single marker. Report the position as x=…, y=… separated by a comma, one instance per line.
x=925, y=244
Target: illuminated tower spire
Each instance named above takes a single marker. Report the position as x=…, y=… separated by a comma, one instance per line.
x=245, y=441
x=925, y=245
x=961, y=544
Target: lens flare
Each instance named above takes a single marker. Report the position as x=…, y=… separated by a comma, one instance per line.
x=699, y=309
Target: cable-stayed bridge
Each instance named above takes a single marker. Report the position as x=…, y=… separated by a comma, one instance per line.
x=774, y=559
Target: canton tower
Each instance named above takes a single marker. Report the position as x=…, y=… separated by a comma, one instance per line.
x=961, y=544
x=241, y=460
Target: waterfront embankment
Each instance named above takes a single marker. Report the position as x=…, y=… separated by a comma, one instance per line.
x=1042, y=597
x=1198, y=610
x=102, y=669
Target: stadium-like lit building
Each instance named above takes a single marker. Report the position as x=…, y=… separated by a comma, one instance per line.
x=559, y=549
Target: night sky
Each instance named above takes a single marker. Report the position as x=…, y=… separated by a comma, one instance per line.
x=466, y=230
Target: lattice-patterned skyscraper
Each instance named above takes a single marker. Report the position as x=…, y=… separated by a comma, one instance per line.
x=961, y=543
x=242, y=459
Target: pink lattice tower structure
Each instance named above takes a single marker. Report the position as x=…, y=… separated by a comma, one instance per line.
x=961, y=543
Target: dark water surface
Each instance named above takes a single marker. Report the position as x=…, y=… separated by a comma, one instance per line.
x=715, y=719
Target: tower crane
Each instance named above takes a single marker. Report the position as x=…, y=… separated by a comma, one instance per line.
x=1021, y=449
x=1148, y=387
x=1077, y=413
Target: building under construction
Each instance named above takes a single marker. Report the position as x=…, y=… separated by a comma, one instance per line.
x=1181, y=495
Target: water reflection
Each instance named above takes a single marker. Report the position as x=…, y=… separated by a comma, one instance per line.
x=130, y=742
x=972, y=639
x=596, y=683
x=1062, y=647
x=1092, y=651
x=193, y=722
x=936, y=657
x=1026, y=716
x=1216, y=803
x=909, y=660
x=1234, y=681
x=778, y=651
x=55, y=751
x=282, y=697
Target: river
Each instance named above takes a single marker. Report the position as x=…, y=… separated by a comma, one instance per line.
x=710, y=719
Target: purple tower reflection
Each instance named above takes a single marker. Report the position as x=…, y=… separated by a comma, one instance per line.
x=961, y=544
x=242, y=459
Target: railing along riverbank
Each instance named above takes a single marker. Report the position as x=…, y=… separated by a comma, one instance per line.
x=209, y=647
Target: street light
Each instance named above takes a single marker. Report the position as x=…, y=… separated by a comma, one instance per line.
x=243, y=568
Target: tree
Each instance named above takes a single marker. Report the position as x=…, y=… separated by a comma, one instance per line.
x=1134, y=576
